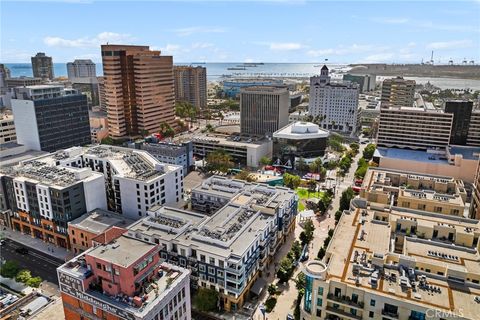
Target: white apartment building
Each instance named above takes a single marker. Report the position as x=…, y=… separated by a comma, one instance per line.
x=7, y=129
x=335, y=103
x=225, y=251
x=134, y=180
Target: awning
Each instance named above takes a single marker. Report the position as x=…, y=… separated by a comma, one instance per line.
x=258, y=286
x=306, y=214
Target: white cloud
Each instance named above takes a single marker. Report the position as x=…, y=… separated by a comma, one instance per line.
x=411, y=44
x=391, y=20
x=456, y=44
x=202, y=45
x=285, y=46
x=199, y=29
x=85, y=42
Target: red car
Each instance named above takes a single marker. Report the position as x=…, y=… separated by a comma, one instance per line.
x=356, y=189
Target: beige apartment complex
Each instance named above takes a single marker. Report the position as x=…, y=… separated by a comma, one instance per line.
x=475, y=207
x=139, y=89
x=191, y=85
x=473, y=137
x=396, y=264
x=417, y=191
x=414, y=128
x=398, y=92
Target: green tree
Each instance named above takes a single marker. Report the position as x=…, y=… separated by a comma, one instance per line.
x=316, y=166
x=369, y=151
x=296, y=249
x=301, y=165
x=246, y=176
x=265, y=161
x=292, y=181
x=354, y=146
x=338, y=214
x=312, y=185
x=326, y=242
x=166, y=130
x=321, y=253
x=219, y=160
x=34, y=282
x=9, y=269
x=285, y=270
x=345, y=199
x=308, y=229
x=301, y=281
x=23, y=276
x=206, y=299
x=272, y=289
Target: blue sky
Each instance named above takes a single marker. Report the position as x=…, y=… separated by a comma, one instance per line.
x=242, y=31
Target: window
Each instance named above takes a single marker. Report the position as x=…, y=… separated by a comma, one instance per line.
x=212, y=261
x=99, y=266
x=319, y=302
x=372, y=303
x=320, y=291
x=371, y=314
x=202, y=258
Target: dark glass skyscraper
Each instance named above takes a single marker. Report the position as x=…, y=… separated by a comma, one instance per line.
x=462, y=113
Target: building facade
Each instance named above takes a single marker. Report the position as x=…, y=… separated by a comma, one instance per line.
x=462, y=114
x=134, y=180
x=22, y=82
x=263, y=110
x=49, y=119
x=44, y=197
x=81, y=68
x=180, y=154
x=299, y=140
x=124, y=279
x=398, y=92
x=228, y=250
x=473, y=138
x=7, y=129
x=335, y=103
x=139, y=89
x=244, y=150
x=365, y=82
x=42, y=66
x=414, y=128
x=102, y=100
x=191, y=85
x=475, y=206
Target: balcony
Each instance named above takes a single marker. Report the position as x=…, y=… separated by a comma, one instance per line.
x=345, y=300
x=342, y=313
x=390, y=314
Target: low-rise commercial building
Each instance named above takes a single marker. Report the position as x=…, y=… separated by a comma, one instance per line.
x=124, y=279
x=299, y=140
x=22, y=82
x=98, y=125
x=95, y=226
x=246, y=150
x=396, y=264
x=225, y=251
x=44, y=197
x=459, y=162
x=366, y=82
x=413, y=190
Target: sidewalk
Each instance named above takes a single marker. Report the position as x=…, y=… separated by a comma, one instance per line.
x=37, y=244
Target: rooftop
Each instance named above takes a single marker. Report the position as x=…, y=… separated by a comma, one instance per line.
x=301, y=130
x=98, y=220
x=220, y=186
x=412, y=155
x=123, y=251
x=230, y=140
x=467, y=152
x=364, y=242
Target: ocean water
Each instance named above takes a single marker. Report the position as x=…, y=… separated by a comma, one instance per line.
x=215, y=71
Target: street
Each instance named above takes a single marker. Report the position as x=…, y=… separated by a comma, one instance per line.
x=39, y=263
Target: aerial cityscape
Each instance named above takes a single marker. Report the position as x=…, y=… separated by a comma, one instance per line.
x=252, y=160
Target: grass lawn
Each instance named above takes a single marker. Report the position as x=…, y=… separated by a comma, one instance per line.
x=303, y=194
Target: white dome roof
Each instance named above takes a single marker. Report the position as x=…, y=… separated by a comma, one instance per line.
x=304, y=127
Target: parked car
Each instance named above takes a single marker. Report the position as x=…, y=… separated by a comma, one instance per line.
x=2, y=242
x=21, y=250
